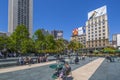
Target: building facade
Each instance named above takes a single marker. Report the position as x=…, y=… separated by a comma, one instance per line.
x=116, y=40
x=79, y=35
x=97, y=31
x=45, y=32
x=3, y=34
x=57, y=34
x=20, y=13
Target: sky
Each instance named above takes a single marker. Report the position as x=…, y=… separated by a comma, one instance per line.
x=65, y=15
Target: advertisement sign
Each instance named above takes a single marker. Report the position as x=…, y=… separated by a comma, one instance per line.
x=75, y=32
x=81, y=30
x=60, y=34
x=98, y=12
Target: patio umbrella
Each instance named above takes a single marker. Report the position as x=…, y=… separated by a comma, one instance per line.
x=118, y=51
x=96, y=51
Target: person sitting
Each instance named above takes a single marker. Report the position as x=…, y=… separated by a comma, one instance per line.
x=65, y=71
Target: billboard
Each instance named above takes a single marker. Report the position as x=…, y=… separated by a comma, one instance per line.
x=75, y=32
x=60, y=33
x=81, y=30
x=98, y=12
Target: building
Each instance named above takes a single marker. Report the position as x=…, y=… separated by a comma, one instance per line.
x=20, y=12
x=97, y=31
x=116, y=40
x=79, y=35
x=58, y=34
x=45, y=32
x=3, y=34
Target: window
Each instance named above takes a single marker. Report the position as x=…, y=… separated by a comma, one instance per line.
x=103, y=33
x=103, y=22
x=103, y=26
x=92, y=46
x=99, y=44
x=104, y=44
x=103, y=30
x=96, y=45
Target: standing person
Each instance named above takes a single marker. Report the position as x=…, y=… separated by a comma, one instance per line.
x=29, y=60
x=1, y=54
x=76, y=60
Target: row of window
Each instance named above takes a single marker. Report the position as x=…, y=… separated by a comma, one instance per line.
x=91, y=27
x=96, y=45
x=93, y=34
x=96, y=32
x=99, y=23
x=96, y=38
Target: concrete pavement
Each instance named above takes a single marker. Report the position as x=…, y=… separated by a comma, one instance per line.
x=25, y=67
x=86, y=71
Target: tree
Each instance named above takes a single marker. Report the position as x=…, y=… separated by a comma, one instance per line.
x=38, y=35
x=39, y=39
x=19, y=35
x=75, y=45
x=109, y=50
x=60, y=45
x=27, y=46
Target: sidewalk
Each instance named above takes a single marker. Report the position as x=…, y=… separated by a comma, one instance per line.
x=86, y=71
x=5, y=70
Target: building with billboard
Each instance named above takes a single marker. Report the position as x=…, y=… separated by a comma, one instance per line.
x=116, y=40
x=20, y=12
x=58, y=34
x=97, y=31
x=79, y=35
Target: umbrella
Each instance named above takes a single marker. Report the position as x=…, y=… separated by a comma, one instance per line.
x=96, y=51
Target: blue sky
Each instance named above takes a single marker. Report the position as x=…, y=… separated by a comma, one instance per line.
x=65, y=14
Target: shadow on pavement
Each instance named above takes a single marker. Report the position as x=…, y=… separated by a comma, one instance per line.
x=68, y=78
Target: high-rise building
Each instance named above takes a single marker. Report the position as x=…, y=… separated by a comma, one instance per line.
x=116, y=40
x=20, y=13
x=97, y=31
x=58, y=34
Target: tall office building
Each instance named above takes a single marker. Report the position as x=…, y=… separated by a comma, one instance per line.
x=20, y=13
x=97, y=32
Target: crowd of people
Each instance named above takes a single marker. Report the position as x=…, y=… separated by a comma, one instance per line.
x=29, y=60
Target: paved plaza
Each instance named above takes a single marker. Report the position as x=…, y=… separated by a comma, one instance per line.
x=95, y=69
